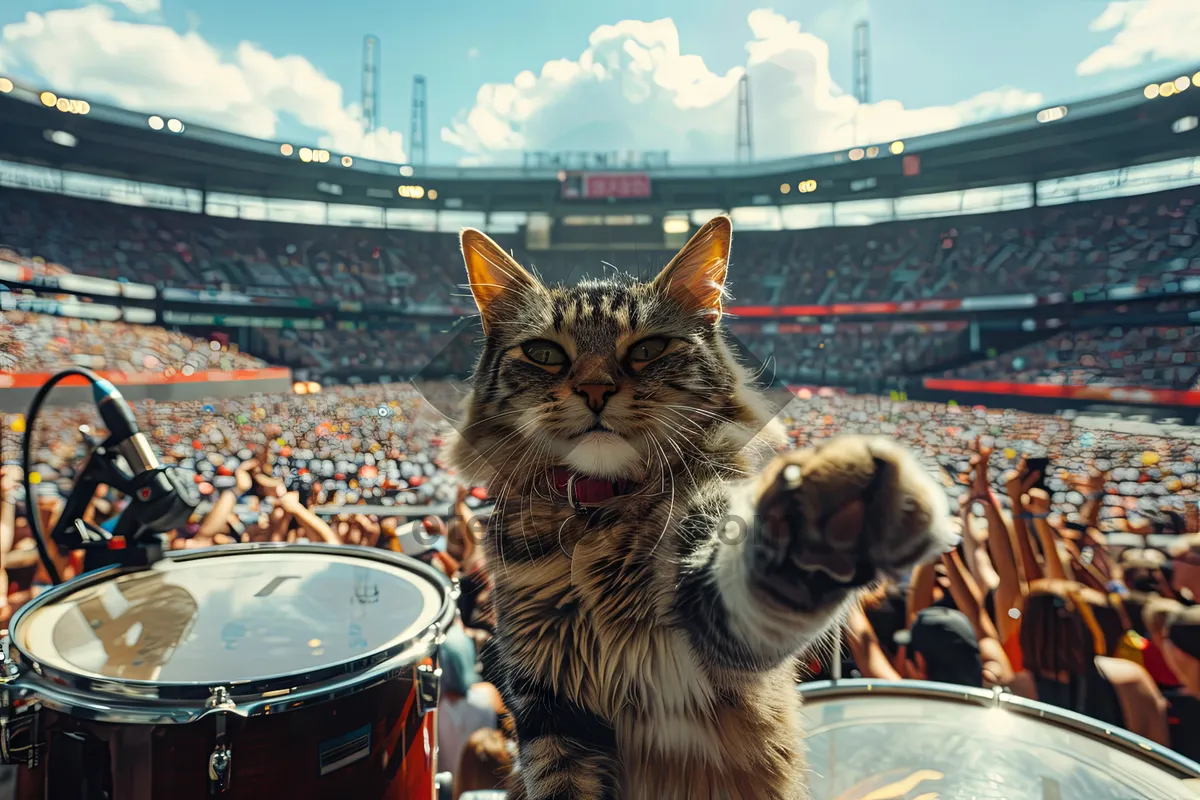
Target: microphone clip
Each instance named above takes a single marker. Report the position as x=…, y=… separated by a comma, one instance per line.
x=160, y=499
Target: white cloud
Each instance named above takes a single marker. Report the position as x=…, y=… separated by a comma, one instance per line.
x=140, y=6
x=1146, y=30
x=152, y=68
x=634, y=88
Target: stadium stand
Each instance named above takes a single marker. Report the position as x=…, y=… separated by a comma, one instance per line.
x=1150, y=241
x=32, y=342
x=1154, y=357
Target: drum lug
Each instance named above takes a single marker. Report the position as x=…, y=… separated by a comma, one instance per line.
x=220, y=760
x=20, y=731
x=9, y=671
x=429, y=688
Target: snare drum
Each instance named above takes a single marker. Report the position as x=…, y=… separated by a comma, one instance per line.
x=911, y=739
x=247, y=671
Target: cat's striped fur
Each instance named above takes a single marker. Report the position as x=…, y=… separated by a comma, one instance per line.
x=648, y=654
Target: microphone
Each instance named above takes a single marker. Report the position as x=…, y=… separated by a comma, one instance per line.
x=161, y=498
x=123, y=433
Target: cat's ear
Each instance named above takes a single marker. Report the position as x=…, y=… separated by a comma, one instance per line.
x=695, y=278
x=493, y=275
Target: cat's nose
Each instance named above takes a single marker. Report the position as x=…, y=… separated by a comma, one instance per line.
x=596, y=394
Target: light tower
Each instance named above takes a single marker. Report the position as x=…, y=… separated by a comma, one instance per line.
x=745, y=135
x=370, y=83
x=416, y=141
x=862, y=69
x=862, y=61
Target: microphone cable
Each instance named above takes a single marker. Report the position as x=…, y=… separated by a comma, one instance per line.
x=35, y=523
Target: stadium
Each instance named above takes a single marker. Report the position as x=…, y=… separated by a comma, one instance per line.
x=1015, y=301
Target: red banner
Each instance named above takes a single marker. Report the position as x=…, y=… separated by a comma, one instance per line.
x=32, y=380
x=619, y=185
x=943, y=326
x=809, y=392
x=842, y=309
x=1112, y=394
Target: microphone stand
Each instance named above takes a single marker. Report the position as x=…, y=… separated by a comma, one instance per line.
x=161, y=498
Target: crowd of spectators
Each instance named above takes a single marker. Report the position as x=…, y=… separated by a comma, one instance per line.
x=840, y=354
x=367, y=444
x=1154, y=357
x=31, y=342
x=845, y=354
x=989, y=614
x=1153, y=472
x=194, y=251
x=1039, y=599
x=396, y=352
x=1149, y=240
x=377, y=443
x=1043, y=607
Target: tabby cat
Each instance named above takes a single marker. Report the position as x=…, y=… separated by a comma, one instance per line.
x=655, y=575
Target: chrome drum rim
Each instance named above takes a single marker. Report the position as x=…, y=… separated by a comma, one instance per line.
x=153, y=702
x=1119, y=738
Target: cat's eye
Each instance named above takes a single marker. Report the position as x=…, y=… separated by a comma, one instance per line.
x=544, y=353
x=648, y=349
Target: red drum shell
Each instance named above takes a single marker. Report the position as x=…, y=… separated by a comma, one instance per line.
x=273, y=755
x=123, y=662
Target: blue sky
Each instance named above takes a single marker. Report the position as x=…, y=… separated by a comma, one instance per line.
x=935, y=57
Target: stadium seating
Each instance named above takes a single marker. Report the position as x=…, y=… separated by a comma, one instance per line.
x=849, y=353
x=1150, y=357
x=367, y=353
x=1148, y=240
x=43, y=343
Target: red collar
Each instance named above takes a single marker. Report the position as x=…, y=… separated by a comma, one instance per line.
x=583, y=491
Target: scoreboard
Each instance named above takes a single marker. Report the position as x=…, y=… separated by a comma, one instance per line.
x=605, y=186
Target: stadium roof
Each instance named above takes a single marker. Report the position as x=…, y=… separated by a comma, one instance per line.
x=1125, y=129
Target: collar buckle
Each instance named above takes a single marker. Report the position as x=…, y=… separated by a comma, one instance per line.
x=572, y=497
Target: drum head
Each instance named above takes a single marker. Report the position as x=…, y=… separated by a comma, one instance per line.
x=906, y=747
x=231, y=617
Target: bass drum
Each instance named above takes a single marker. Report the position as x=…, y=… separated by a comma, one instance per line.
x=912, y=739
x=247, y=671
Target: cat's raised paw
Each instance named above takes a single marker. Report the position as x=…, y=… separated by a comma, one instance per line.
x=833, y=519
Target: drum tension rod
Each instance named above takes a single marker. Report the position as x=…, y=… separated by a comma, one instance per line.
x=20, y=731
x=429, y=688
x=220, y=760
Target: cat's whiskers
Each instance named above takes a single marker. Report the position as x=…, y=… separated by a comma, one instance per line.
x=690, y=422
x=704, y=412
x=534, y=455
x=499, y=444
x=671, y=506
x=501, y=498
x=492, y=416
x=683, y=460
x=502, y=495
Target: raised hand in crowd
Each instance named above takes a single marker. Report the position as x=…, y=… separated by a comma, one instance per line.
x=969, y=599
x=980, y=483
x=10, y=478
x=244, y=476
x=868, y=653
x=316, y=528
